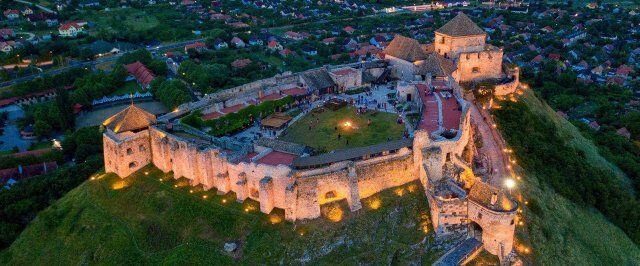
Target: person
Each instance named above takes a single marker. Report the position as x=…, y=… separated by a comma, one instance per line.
x=339, y=136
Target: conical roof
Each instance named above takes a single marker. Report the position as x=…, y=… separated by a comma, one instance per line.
x=460, y=25
x=131, y=118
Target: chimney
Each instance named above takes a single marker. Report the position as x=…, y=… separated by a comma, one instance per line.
x=494, y=198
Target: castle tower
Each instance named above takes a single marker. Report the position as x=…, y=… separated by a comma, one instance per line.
x=492, y=218
x=459, y=35
x=126, y=141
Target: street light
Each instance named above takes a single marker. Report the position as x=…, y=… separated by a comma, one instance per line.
x=509, y=183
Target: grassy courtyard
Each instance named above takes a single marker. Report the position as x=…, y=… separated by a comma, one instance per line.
x=323, y=135
x=154, y=219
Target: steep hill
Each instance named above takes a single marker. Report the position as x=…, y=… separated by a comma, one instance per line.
x=559, y=231
x=142, y=220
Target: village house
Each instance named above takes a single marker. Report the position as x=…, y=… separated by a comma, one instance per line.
x=237, y=42
x=12, y=14
x=70, y=29
x=274, y=46
x=7, y=46
x=220, y=44
x=198, y=46
x=7, y=33
x=140, y=73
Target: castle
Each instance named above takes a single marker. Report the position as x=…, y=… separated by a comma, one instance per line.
x=284, y=175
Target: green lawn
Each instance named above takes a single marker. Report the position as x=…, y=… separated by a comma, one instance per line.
x=41, y=145
x=117, y=18
x=323, y=136
x=128, y=88
x=142, y=220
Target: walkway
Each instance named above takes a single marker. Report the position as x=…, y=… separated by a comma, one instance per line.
x=461, y=253
x=430, y=111
x=491, y=145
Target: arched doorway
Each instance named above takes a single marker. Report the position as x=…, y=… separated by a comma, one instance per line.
x=475, y=231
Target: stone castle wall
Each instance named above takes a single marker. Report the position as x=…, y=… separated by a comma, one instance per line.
x=448, y=215
x=452, y=47
x=510, y=87
x=479, y=65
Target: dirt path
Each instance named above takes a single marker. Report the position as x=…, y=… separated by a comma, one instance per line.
x=492, y=145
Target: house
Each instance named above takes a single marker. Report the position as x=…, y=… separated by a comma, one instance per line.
x=329, y=41
x=237, y=42
x=7, y=46
x=241, y=63
x=592, y=5
x=624, y=132
x=198, y=46
x=594, y=125
x=547, y=29
x=70, y=29
x=27, y=11
x=296, y=36
x=624, y=71
x=7, y=33
x=12, y=14
x=309, y=50
x=349, y=30
x=102, y=48
x=254, y=40
x=220, y=44
x=555, y=57
x=140, y=73
x=274, y=46
x=285, y=52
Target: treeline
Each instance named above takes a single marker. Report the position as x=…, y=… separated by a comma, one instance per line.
x=541, y=150
x=171, y=93
x=232, y=122
x=23, y=201
x=45, y=83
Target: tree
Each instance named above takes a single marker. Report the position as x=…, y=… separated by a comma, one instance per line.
x=41, y=128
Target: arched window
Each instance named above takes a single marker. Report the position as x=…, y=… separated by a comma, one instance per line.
x=330, y=195
x=132, y=164
x=129, y=151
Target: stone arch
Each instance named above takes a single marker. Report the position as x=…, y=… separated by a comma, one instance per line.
x=475, y=230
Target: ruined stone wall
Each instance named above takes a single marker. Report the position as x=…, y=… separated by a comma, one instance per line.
x=479, y=65
x=508, y=88
x=497, y=228
x=451, y=47
x=126, y=152
x=448, y=216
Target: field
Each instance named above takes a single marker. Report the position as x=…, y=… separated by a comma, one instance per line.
x=560, y=232
x=121, y=18
x=128, y=88
x=143, y=220
x=323, y=135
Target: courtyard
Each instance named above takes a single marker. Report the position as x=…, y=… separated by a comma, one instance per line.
x=329, y=130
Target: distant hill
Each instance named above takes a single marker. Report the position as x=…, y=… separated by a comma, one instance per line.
x=141, y=220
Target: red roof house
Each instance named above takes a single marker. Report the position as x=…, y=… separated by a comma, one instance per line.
x=141, y=73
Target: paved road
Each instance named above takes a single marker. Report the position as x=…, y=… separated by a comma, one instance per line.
x=91, y=64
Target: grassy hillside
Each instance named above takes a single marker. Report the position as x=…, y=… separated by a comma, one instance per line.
x=559, y=231
x=142, y=220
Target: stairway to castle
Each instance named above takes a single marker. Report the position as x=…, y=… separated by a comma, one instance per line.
x=461, y=254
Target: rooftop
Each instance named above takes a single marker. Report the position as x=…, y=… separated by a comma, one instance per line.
x=460, y=25
x=129, y=119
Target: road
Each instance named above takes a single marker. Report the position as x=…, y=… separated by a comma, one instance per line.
x=91, y=64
